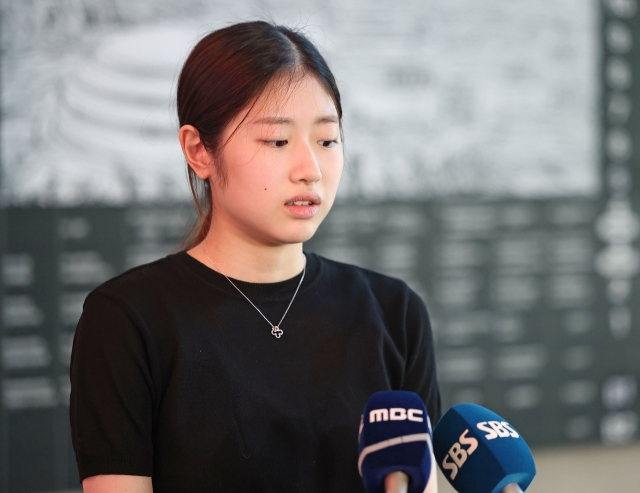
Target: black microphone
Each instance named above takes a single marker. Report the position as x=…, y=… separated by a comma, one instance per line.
x=395, y=437
x=479, y=452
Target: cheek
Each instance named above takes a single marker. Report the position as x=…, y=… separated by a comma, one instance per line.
x=252, y=172
x=333, y=172
x=257, y=189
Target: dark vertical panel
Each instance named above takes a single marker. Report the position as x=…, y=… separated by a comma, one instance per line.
x=90, y=252
x=4, y=431
x=30, y=389
x=151, y=232
x=31, y=450
x=54, y=257
x=618, y=225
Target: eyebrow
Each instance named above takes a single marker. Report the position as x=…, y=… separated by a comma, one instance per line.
x=276, y=120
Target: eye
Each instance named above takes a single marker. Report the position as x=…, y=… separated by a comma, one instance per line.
x=276, y=143
x=328, y=143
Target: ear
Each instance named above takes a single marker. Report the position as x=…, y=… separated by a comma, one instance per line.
x=195, y=152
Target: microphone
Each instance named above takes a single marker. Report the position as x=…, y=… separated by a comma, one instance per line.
x=395, y=437
x=479, y=452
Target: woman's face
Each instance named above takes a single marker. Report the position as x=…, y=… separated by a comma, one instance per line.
x=283, y=166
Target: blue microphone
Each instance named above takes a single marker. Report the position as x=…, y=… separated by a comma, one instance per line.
x=479, y=452
x=395, y=436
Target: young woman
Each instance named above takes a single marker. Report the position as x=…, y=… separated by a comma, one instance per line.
x=242, y=363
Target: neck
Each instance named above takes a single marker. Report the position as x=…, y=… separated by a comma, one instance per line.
x=248, y=261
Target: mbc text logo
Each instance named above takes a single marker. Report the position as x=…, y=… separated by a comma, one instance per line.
x=396, y=414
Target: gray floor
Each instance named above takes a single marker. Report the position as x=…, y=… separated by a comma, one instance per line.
x=594, y=469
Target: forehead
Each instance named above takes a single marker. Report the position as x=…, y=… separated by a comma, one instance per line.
x=288, y=96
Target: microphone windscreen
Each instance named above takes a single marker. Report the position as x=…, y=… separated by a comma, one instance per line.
x=395, y=435
x=479, y=452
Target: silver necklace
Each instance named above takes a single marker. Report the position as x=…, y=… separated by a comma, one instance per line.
x=276, y=331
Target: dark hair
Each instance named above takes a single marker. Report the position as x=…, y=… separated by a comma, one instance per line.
x=226, y=72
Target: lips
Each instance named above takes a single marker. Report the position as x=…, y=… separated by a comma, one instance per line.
x=304, y=206
x=306, y=199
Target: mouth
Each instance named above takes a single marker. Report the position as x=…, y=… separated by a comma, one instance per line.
x=301, y=202
x=304, y=206
x=307, y=199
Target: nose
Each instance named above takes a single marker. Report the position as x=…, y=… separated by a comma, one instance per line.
x=306, y=167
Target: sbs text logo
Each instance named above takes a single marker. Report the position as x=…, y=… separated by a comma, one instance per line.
x=459, y=454
x=497, y=429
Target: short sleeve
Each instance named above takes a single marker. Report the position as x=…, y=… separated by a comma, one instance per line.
x=111, y=404
x=420, y=373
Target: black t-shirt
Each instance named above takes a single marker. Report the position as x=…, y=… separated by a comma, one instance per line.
x=174, y=375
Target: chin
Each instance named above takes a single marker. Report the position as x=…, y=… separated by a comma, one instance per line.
x=300, y=234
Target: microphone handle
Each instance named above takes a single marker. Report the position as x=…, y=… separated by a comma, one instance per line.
x=396, y=482
x=512, y=488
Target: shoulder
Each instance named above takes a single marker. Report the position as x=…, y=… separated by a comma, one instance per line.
x=387, y=290
x=141, y=285
x=338, y=269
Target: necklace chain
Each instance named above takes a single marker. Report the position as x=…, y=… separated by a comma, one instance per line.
x=276, y=331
